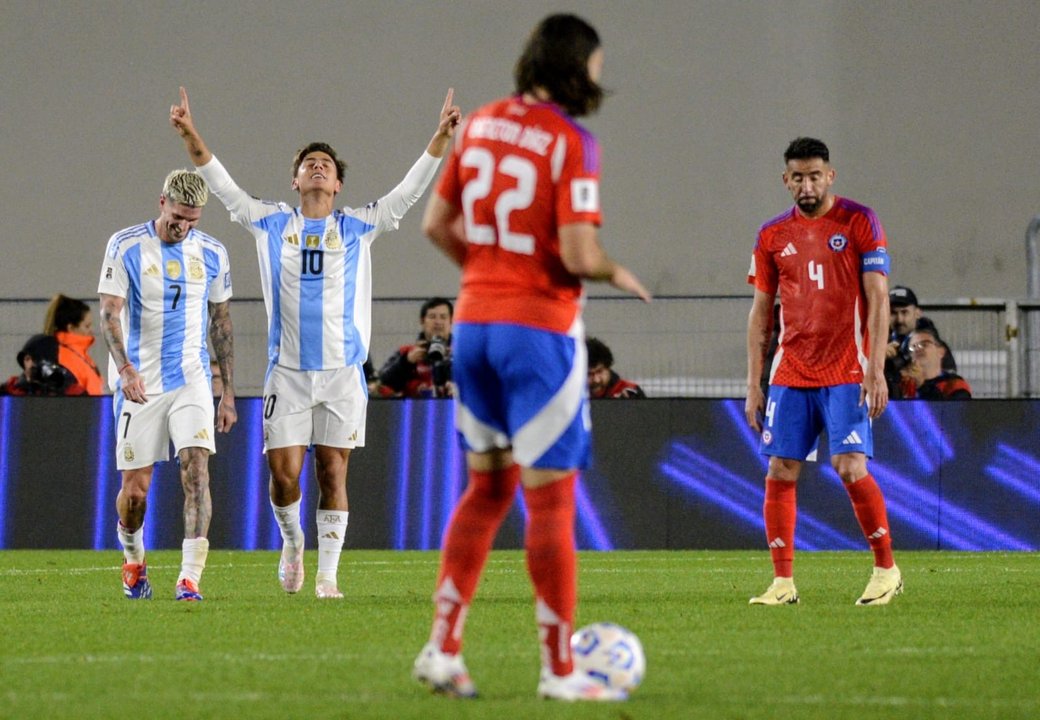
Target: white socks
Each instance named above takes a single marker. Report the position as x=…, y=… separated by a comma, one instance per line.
x=288, y=519
x=193, y=559
x=332, y=529
x=132, y=542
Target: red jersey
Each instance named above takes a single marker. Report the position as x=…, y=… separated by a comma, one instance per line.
x=520, y=171
x=619, y=388
x=816, y=265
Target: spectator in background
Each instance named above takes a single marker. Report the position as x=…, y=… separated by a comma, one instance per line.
x=42, y=375
x=906, y=316
x=927, y=379
x=423, y=369
x=72, y=324
x=603, y=381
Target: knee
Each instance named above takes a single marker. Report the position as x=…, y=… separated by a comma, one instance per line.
x=784, y=469
x=331, y=465
x=849, y=469
x=135, y=487
x=285, y=477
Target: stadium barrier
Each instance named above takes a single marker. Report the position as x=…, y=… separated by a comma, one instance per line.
x=674, y=474
x=689, y=346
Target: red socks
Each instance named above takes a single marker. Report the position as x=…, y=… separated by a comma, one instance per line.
x=466, y=545
x=781, y=512
x=553, y=566
x=869, y=506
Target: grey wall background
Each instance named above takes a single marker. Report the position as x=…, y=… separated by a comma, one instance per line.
x=930, y=109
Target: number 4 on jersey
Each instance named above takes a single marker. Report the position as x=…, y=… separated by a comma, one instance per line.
x=816, y=273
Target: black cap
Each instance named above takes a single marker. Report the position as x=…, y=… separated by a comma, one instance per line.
x=39, y=347
x=901, y=296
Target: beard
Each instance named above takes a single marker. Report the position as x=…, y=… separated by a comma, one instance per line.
x=809, y=205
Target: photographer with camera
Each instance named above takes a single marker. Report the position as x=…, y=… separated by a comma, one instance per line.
x=906, y=317
x=423, y=370
x=41, y=376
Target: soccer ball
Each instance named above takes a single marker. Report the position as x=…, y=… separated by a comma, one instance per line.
x=610, y=654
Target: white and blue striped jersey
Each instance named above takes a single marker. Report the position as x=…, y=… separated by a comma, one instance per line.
x=166, y=289
x=316, y=274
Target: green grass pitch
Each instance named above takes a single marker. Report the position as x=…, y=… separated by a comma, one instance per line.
x=963, y=641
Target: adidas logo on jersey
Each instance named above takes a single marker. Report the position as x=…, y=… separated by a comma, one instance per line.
x=152, y=271
x=852, y=438
x=202, y=435
x=789, y=250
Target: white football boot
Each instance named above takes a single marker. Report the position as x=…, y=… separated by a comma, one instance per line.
x=443, y=673
x=781, y=592
x=576, y=686
x=884, y=585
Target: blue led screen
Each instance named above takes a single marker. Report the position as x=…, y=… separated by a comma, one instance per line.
x=665, y=474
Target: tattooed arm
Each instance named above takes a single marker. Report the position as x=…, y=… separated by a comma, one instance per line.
x=220, y=335
x=131, y=383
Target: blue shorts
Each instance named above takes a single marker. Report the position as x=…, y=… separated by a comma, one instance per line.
x=523, y=388
x=795, y=417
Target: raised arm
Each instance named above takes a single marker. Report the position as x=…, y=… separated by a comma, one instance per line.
x=450, y=118
x=222, y=339
x=184, y=124
x=112, y=331
x=393, y=206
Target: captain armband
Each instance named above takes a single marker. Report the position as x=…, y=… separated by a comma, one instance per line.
x=875, y=261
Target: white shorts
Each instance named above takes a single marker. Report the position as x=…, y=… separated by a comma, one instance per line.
x=144, y=432
x=315, y=407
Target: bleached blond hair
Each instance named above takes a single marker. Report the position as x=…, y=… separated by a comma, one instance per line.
x=185, y=187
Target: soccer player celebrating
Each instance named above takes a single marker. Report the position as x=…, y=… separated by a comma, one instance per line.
x=316, y=274
x=827, y=258
x=517, y=208
x=159, y=282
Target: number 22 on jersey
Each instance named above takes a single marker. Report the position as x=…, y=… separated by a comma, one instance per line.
x=518, y=198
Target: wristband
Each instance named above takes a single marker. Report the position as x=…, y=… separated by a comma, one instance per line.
x=120, y=371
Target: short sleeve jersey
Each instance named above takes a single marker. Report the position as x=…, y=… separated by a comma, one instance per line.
x=519, y=171
x=167, y=288
x=816, y=266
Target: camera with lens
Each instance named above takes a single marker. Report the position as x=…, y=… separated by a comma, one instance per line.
x=902, y=357
x=438, y=355
x=48, y=374
x=436, y=350
x=51, y=378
